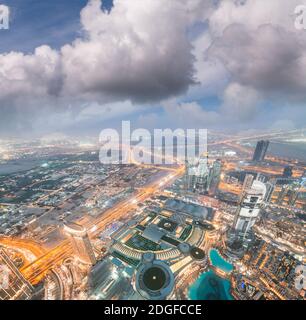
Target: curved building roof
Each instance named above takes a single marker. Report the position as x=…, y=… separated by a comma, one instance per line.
x=154, y=280
x=75, y=229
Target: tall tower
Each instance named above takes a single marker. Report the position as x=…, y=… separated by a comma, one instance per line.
x=288, y=171
x=190, y=176
x=261, y=150
x=249, y=208
x=80, y=243
x=270, y=189
x=202, y=174
x=247, y=183
x=261, y=177
x=13, y=286
x=214, y=177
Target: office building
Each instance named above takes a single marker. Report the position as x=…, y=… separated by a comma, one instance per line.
x=261, y=150
x=288, y=171
x=80, y=243
x=247, y=183
x=190, y=177
x=196, y=175
x=202, y=174
x=249, y=208
x=288, y=195
x=261, y=177
x=269, y=191
x=214, y=177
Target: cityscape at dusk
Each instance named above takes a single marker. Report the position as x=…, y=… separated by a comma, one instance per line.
x=152, y=150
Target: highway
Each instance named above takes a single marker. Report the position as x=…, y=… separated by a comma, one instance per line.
x=23, y=244
x=37, y=270
x=45, y=261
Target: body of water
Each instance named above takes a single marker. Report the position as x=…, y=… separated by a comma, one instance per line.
x=209, y=286
x=218, y=262
x=18, y=166
x=291, y=150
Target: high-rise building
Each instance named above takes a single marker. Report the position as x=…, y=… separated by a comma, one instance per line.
x=249, y=208
x=261, y=150
x=247, y=183
x=13, y=286
x=202, y=174
x=288, y=195
x=190, y=176
x=261, y=177
x=269, y=191
x=196, y=175
x=287, y=173
x=80, y=243
x=214, y=177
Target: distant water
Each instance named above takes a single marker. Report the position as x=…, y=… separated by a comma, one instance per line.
x=18, y=166
x=209, y=286
x=291, y=150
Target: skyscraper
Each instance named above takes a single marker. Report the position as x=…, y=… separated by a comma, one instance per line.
x=190, y=176
x=80, y=243
x=287, y=172
x=13, y=286
x=270, y=189
x=247, y=183
x=288, y=195
x=261, y=150
x=202, y=174
x=196, y=174
x=261, y=177
x=214, y=177
x=249, y=208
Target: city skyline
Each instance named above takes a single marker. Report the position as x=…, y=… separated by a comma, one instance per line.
x=153, y=150
x=73, y=228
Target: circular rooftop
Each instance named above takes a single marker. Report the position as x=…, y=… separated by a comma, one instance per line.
x=154, y=280
x=197, y=253
x=184, y=247
x=74, y=229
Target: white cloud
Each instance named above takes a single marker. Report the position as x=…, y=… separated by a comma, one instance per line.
x=252, y=14
x=140, y=51
x=106, y=111
x=240, y=103
x=190, y=115
x=139, y=54
x=38, y=74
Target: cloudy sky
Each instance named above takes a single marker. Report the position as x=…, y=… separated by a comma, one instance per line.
x=79, y=66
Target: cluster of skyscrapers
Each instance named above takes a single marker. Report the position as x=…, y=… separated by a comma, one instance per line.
x=202, y=178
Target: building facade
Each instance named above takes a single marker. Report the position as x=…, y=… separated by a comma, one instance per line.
x=249, y=208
